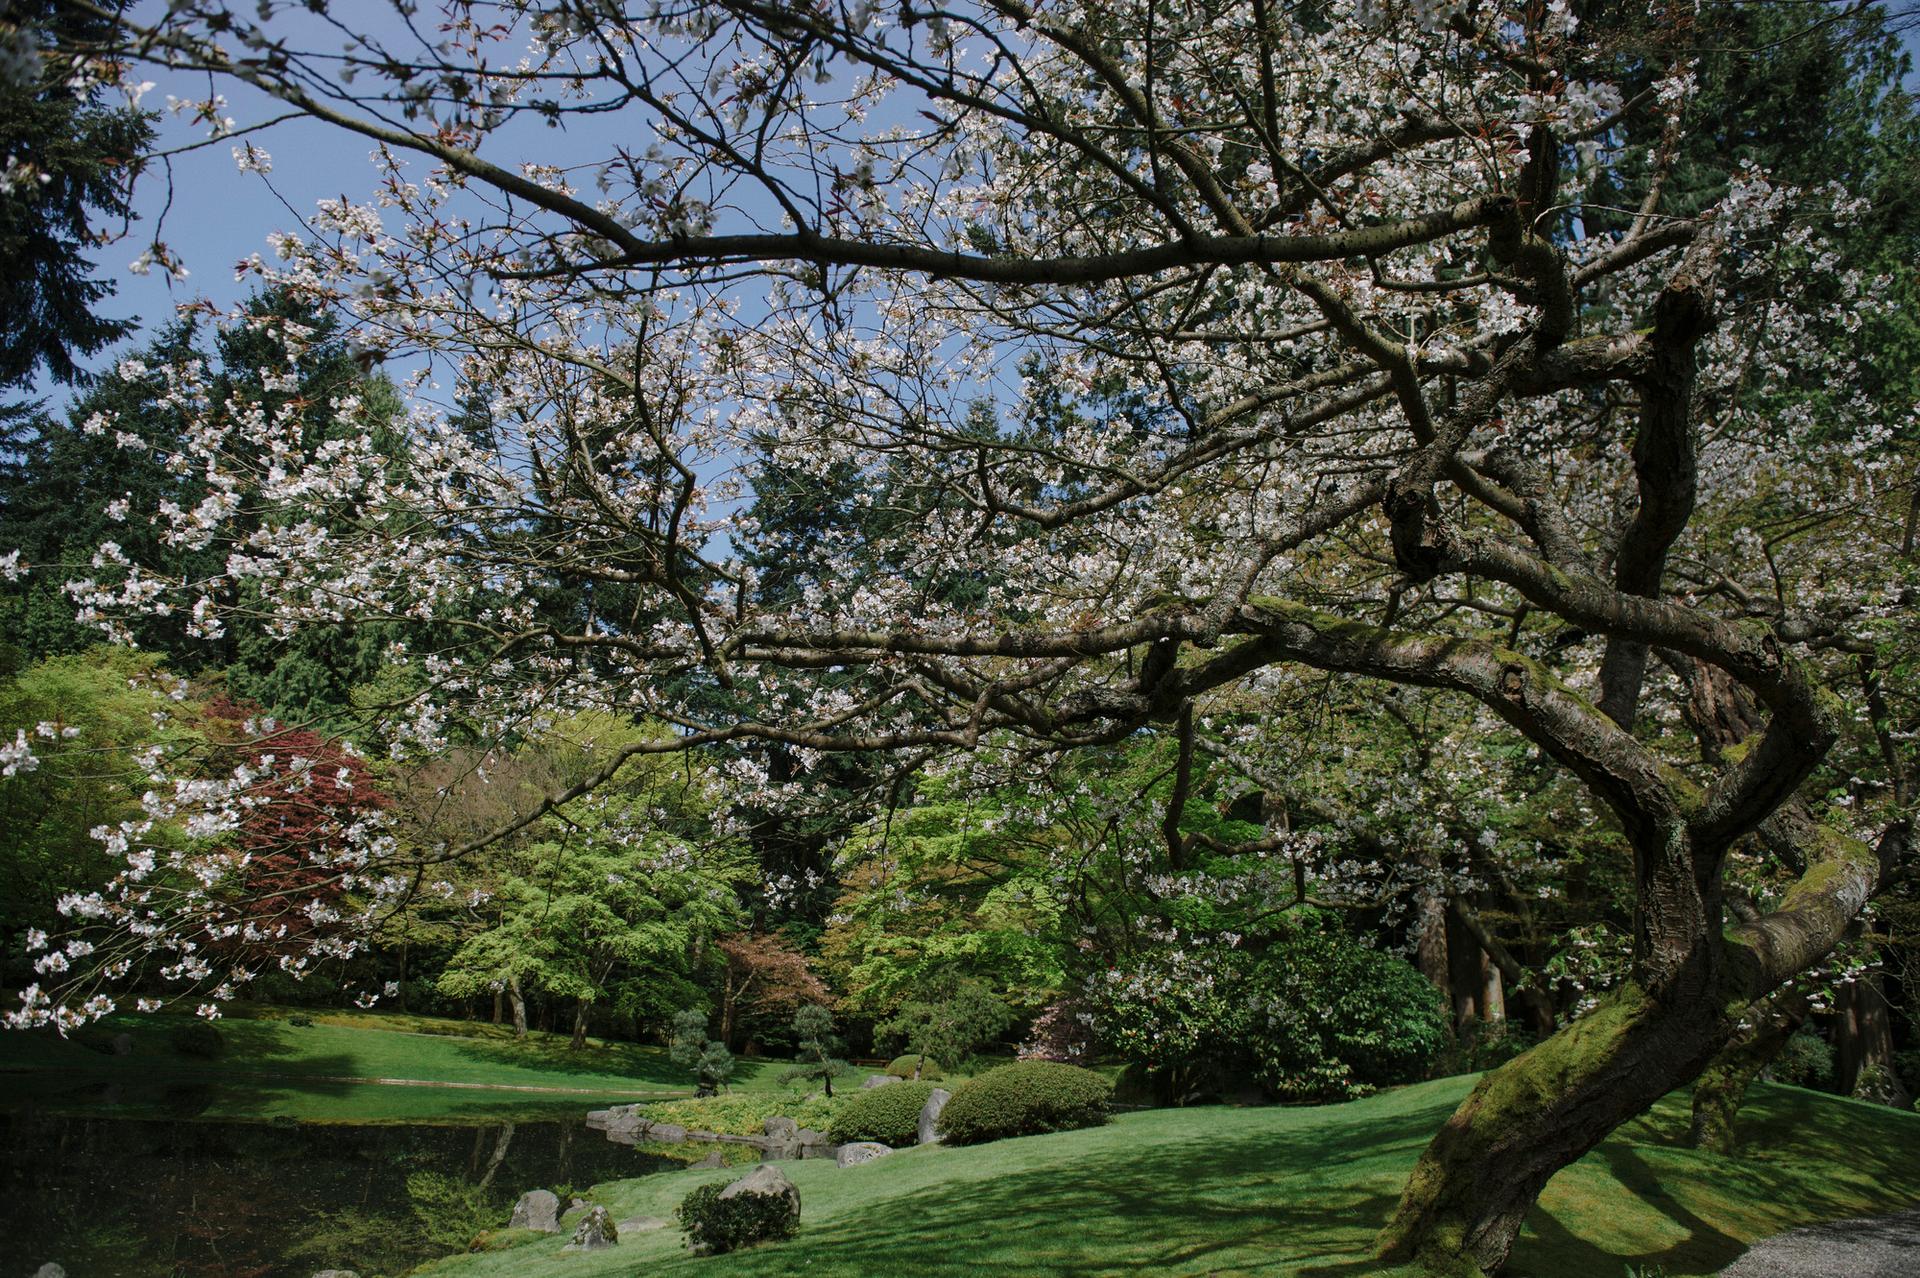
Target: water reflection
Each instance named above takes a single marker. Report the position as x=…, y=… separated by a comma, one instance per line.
x=108, y=1195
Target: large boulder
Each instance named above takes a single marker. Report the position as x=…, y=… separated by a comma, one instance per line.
x=537, y=1209
x=671, y=1133
x=767, y=1180
x=596, y=1232
x=780, y=1129
x=930, y=1115
x=860, y=1151
x=872, y=1081
x=52, y=1270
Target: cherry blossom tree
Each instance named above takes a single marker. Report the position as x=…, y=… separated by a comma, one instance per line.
x=1157, y=354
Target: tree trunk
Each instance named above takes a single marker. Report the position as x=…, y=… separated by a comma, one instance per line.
x=1468, y=968
x=498, y=1009
x=1722, y=1087
x=1865, y=1033
x=1430, y=943
x=579, y=1025
x=1493, y=997
x=1523, y=1122
x=519, y=1007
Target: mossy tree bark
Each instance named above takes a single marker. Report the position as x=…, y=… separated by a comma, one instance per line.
x=1722, y=1086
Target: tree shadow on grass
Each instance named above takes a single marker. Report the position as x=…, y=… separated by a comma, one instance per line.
x=1263, y=1201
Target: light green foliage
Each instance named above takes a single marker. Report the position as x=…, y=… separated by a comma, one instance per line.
x=1024, y=1099
x=615, y=895
x=890, y=1114
x=948, y=889
x=99, y=708
x=743, y=1112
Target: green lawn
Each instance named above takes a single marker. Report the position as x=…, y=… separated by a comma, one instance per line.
x=1273, y=1191
x=273, y=1068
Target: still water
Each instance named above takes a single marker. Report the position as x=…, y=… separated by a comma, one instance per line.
x=109, y=1189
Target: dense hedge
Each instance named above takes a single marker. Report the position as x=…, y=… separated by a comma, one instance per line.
x=904, y=1066
x=716, y=1224
x=890, y=1114
x=1024, y=1099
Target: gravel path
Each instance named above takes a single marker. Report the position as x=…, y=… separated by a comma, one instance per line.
x=1870, y=1247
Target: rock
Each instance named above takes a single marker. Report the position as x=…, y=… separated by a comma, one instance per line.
x=322, y=1273
x=860, y=1151
x=537, y=1209
x=808, y=1136
x=596, y=1232
x=822, y=1150
x=672, y=1133
x=123, y=1044
x=710, y=1161
x=930, y=1115
x=768, y=1180
x=780, y=1128
x=51, y=1270
x=642, y=1225
x=872, y=1081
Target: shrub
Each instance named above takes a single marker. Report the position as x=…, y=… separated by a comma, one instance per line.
x=1024, y=1099
x=717, y=1224
x=890, y=1114
x=1310, y=1012
x=904, y=1066
x=196, y=1038
x=1805, y=1060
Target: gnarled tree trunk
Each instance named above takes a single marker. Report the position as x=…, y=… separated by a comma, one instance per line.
x=1722, y=1086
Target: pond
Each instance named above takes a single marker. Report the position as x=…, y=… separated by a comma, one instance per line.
x=114, y=1184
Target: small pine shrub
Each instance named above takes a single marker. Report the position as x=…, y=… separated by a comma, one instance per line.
x=903, y=1067
x=1024, y=1099
x=890, y=1114
x=716, y=1224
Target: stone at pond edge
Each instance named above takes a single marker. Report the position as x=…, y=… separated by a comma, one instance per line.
x=596, y=1232
x=767, y=1180
x=537, y=1209
x=808, y=1136
x=930, y=1115
x=671, y=1133
x=861, y=1151
x=876, y=1080
x=780, y=1129
x=710, y=1161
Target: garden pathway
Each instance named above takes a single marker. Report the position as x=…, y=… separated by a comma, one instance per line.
x=1869, y=1247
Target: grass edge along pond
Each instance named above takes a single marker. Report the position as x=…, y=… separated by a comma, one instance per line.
x=319, y=1066
x=1276, y=1191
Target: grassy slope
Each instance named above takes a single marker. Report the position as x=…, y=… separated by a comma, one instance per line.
x=273, y=1068
x=1273, y=1191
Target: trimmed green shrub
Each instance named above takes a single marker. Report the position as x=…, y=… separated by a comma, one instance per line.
x=1024, y=1099
x=890, y=1114
x=904, y=1066
x=717, y=1224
